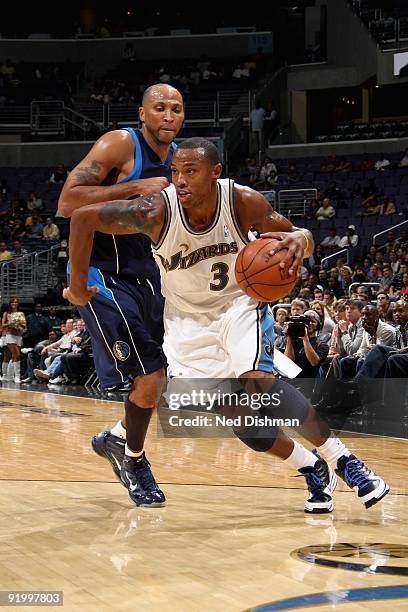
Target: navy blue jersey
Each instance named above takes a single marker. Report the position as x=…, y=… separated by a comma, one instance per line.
x=131, y=256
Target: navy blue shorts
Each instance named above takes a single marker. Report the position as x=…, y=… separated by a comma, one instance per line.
x=125, y=321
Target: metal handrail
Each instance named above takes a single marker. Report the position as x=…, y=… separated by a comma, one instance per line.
x=389, y=229
x=336, y=254
x=359, y=285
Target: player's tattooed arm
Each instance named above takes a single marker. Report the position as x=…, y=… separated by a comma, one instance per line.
x=90, y=174
x=144, y=215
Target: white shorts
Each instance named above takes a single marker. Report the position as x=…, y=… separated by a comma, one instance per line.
x=225, y=344
x=12, y=339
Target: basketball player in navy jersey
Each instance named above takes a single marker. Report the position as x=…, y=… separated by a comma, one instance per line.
x=125, y=317
x=212, y=329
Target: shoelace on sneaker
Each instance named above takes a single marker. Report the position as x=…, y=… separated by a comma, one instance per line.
x=355, y=472
x=146, y=477
x=313, y=481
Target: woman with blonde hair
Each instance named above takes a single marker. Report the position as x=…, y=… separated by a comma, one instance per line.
x=13, y=326
x=327, y=322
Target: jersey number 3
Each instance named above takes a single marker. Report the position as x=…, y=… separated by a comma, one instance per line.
x=220, y=270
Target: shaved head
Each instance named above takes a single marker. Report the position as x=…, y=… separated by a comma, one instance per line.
x=160, y=90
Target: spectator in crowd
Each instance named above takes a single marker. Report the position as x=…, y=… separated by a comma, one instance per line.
x=359, y=275
x=59, y=175
x=308, y=350
x=350, y=240
x=394, y=262
x=388, y=207
x=17, y=204
x=267, y=175
x=35, y=228
x=375, y=332
x=50, y=231
x=345, y=278
x=18, y=250
x=318, y=293
x=330, y=301
x=403, y=292
x=63, y=345
x=34, y=356
x=34, y=202
x=76, y=362
x=335, y=349
x=280, y=318
x=331, y=242
x=13, y=325
x=351, y=330
x=312, y=209
x=383, y=304
x=297, y=307
x=386, y=279
x=256, y=118
x=53, y=320
x=5, y=254
x=37, y=327
x=363, y=294
x=326, y=211
x=391, y=243
x=327, y=324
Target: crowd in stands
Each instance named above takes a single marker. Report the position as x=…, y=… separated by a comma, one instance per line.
x=387, y=25
x=356, y=130
x=21, y=82
x=198, y=79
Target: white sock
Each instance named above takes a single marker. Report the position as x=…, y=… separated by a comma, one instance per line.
x=118, y=430
x=132, y=454
x=332, y=450
x=300, y=457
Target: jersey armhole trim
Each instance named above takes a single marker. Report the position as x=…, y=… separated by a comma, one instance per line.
x=233, y=212
x=166, y=224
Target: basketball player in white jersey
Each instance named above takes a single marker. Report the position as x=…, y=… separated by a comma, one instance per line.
x=212, y=329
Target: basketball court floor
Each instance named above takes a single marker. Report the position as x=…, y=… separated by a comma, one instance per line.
x=232, y=537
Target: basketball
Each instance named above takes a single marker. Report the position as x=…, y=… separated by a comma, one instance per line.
x=258, y=274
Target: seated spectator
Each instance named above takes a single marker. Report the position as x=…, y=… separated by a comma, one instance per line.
x=345, y=278
x=350, y=240
x=59, y=175
x=363, y=294
x=18, y=250
x=383, y=304
x=267, y=174
x=297, y=307
x=326, y=211
x=305, y=296
x=391, y=243
x=34, y=202
x=34, y=356
x=280, y=318
x=35, y=229
x=332, y=241
x=330, y=301
x=327, y=324
x=240, y=72
x=5, y=254
x=403, y=292
x=50, y=231
x=366, y=163
x=53, y=320
x=404, y=160
x=386, y=279
x=312, y=209
x=17, y=204
x=359, y=275
x=318, y=293
x=382, y=164
x=73, y=364
x=375, y=332
x=335, y=349
x=394, y=262
x=56, y=349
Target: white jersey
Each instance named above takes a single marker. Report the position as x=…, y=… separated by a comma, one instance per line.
x=197, y=267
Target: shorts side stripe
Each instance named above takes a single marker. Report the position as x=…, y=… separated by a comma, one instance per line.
x=106, y=342
x=126, y=323
x=258, y=337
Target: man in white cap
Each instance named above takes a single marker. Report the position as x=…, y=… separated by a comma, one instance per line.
x=350, y=239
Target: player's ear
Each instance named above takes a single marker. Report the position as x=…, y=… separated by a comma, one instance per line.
x=141, y=114
x=217, y=170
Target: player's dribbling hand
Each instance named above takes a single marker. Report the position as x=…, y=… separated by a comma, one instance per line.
x=294, y=243
x=80, y=297
x=155, y=184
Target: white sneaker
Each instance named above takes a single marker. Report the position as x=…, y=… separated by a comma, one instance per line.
x=57, y=381
x=26, y=350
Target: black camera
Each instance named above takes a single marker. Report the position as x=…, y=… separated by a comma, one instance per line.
x=297, y=325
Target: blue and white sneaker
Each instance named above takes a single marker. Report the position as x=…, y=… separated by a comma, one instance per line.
x=137, y=476
x=112, y=448
x=321, y=482
x=371, y=488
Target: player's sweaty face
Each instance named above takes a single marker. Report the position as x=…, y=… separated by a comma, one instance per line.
x=163, y=116
x=192, y=175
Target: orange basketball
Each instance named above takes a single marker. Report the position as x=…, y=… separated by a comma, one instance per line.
x=259, y=275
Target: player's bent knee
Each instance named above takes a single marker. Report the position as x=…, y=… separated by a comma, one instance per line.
x=259, y=444
x=147, y=388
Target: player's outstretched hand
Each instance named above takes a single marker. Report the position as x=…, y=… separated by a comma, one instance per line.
x=80, y=297
x=294, y=243
x=155, y=184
